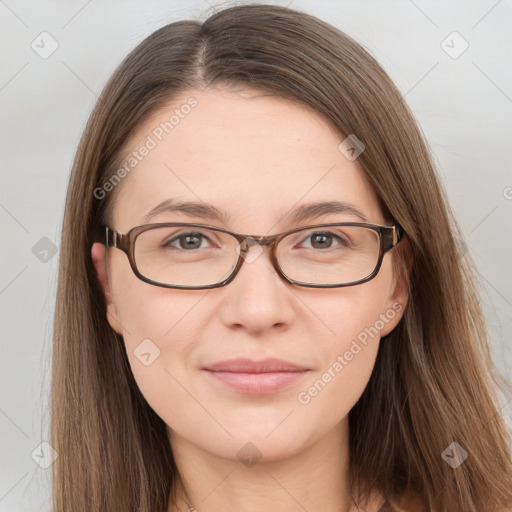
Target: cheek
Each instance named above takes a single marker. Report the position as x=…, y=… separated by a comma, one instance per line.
x=352, y=319
x=352, y=313
x=160, y=332
x=147, y=311
x=160, y=345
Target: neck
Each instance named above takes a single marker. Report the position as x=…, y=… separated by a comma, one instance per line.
x=316, y=478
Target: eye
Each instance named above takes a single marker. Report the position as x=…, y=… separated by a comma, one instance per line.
x=186, y=241
x=325, y=240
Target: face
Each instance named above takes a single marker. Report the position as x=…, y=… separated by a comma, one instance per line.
x=255, y=157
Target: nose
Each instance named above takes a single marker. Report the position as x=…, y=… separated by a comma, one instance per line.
x=258, y=297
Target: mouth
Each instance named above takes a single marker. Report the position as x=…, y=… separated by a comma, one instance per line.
x=256, y=377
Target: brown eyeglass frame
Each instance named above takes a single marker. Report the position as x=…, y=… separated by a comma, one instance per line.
x=389, y=237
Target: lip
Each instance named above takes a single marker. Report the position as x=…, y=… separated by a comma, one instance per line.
x=242, y=365
x=256, y=377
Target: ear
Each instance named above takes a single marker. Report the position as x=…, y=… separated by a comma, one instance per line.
x=98, y=254
x=395, y=304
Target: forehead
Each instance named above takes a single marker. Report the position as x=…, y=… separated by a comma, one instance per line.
x=252, y=154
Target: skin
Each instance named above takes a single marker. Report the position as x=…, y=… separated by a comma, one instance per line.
x=256, y=156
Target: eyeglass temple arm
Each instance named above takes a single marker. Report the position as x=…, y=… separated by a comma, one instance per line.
x=106, y=236
x=393, y=236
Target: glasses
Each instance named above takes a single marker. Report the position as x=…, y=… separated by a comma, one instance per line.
x=199, y=256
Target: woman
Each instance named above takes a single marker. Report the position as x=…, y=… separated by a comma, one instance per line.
x=260, y=301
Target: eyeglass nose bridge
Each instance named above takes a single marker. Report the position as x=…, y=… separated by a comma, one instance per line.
x=247, y=241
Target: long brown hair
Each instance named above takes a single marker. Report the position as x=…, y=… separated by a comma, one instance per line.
x=434, y=382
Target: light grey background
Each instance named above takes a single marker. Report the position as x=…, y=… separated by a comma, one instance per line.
x=463, y=104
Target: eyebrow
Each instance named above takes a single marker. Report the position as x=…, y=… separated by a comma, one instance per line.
x=296, y=215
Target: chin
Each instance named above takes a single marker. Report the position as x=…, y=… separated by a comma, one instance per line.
x=259, y=443
x=251, y=450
